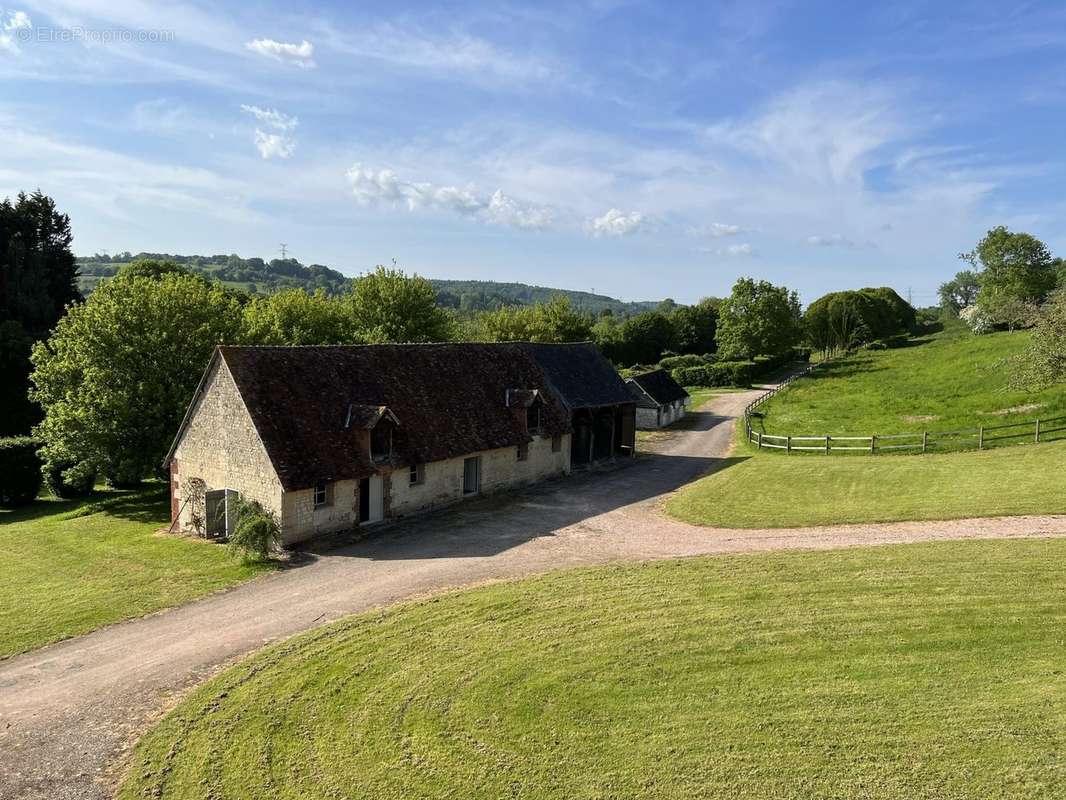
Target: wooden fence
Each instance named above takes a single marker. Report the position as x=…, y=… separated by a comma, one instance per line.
x=979, y=438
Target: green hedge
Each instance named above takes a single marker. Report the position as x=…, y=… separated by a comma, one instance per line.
x=724, y=373
x=677, y=362
x=68, y=479
x=20, y=471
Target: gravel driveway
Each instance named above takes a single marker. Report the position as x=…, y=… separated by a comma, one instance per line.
x=70, y=712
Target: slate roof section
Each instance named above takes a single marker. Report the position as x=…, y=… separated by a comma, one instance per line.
x=579, y=374
x=449, y=399
x=659, y=386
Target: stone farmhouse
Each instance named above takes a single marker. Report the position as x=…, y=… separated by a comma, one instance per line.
x=329, y=438
x=660, y=399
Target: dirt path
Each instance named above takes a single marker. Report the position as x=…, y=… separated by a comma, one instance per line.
x=69, y=712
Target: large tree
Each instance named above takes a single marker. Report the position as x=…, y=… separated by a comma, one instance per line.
x=645, y=337
x=38, y=279
x=1014, y=268
x=554, y=321
x=115, y=377
x=695, y=327
x=389, y=306
x=960, y=292
x=842, y=320
x=1043, y=363
x=294, y=317
x=758, y=319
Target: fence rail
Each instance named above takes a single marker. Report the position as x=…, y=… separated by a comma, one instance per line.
x=979, y=438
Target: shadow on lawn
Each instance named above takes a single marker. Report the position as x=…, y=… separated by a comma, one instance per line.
x=139, y=505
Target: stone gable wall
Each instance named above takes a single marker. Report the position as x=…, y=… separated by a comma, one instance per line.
x=221, y=447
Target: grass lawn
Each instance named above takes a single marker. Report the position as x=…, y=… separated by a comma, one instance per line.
x=71, y=566
x=944, y=382
x=767, y=490
x=924, y=671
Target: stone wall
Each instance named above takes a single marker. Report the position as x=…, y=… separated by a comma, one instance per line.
x=500, y=469
x=301, y=520
x=221, y=447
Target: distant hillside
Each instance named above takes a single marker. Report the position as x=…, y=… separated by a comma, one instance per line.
x=261, y=277
x=481, y=295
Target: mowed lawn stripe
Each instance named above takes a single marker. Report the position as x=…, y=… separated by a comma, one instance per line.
x=72, y=566
x=923, y=671
x=776, y=491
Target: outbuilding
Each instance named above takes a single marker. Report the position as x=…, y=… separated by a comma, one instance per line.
x=660, y=399
x=329, y=438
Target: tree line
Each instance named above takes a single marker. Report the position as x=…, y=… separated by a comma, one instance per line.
x=104, y=381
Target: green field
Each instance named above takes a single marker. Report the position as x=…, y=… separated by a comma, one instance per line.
x=72, y=566
x=923, y=671
x=767, y=490
x=942, y=382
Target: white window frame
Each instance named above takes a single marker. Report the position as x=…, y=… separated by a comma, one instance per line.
x=417, y=475
x=324, y=492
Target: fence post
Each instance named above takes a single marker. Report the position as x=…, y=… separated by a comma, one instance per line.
x=759, y=434
x=827, y=445
x=1038, y=431
x=873, y=444
x=925, y=441
x=788, y=444
x=980, y=437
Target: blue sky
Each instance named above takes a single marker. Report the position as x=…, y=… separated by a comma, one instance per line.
x=640, y=149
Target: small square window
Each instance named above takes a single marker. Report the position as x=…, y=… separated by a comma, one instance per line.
x=523, y=451
x=557, y=444
x=418, y=474
x=321, y=494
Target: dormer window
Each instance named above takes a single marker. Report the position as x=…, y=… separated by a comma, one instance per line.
x=381, y=441
x=533, y=416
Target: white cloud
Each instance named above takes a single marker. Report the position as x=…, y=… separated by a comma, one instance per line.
x=503, y=210
x=732, y=251
x=716, y=230
x=839, y=240
x=449, y=55
x=272, y=117
x=13, y=22
x=616, y=223
x=299, y=55
x=382, y=187
x=273, y=145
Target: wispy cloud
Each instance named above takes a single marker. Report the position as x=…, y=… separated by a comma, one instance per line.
x=272, y=117
x=442, y=54
x=372, y=187
x=298, y=55
x=836, y=240
x=715, y=230
x=731, y=251
x=616, y=223
x=279, y=144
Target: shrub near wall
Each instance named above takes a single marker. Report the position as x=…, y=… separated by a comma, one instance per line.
x=20, y=471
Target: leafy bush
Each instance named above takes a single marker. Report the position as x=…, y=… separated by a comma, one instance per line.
x=20, y=471
x=724, y=373
x=67, y=478
x=256, y=533
x=675, y=362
